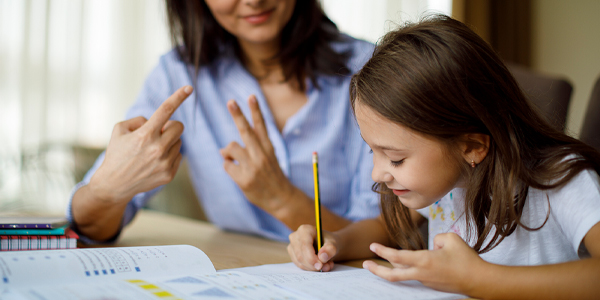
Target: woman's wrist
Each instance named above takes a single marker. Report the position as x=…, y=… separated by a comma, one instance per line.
x=102, y=194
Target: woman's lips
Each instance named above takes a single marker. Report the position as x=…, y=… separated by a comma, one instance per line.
x=259, y=18
x=400, y=192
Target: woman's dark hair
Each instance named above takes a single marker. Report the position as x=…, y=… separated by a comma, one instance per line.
x=438, y=78
x=305, y=40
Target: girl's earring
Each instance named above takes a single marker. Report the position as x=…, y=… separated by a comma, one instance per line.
x=472, y=164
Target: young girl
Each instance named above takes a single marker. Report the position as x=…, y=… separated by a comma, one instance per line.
x=512, y=203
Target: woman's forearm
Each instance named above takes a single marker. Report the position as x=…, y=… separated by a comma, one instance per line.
x=96, y=218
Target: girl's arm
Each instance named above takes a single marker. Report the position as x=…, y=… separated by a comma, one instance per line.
x=571, y=280
x=454, y=267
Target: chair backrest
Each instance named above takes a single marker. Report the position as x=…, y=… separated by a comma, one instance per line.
x=551, y=95
x=590, y=132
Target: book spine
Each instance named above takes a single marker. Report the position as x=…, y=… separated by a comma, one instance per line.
x=55, y=231
x=42, y=242
x=4, y=242
x=44, y=245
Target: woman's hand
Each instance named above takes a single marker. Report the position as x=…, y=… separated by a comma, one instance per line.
x=302, y=249
x=449, y=267
x=254, y=167
x=142, y=154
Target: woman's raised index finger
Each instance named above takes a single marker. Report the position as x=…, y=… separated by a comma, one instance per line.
x=167, y=108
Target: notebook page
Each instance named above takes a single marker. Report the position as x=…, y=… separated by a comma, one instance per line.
x=343, y=282
x=40, y=267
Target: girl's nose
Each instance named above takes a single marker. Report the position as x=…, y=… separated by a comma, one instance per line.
x=380, y=174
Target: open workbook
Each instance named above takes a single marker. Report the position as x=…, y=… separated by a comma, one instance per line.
x=182, y=272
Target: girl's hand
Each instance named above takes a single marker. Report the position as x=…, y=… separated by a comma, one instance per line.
x=142, y=154
x=254, y=167
x=449, y=267
x=302, y=249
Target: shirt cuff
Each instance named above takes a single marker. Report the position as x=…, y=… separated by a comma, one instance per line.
x=69, y=215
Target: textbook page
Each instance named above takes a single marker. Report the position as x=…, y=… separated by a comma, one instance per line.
x=342, y=282
x=91, y=265
x=212, y=286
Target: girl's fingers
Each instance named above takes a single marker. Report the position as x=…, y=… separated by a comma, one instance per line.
x=394, y=274
x=327, y=252
x=394, y=256
x=327, y=266
x=448, y=239
x=300, y=248
x=302, y=251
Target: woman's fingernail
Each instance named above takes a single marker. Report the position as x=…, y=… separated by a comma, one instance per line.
x=373, y=247
x=187, y=89
x=326, y=268
x=234, y=105
x=323, y=257
x=318, y=265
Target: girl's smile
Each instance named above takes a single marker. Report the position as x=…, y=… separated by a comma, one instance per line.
x=400, y=192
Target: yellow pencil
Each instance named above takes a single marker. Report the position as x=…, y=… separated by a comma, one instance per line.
x=315, y=160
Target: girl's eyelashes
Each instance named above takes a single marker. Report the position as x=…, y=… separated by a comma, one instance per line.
x=393, y=163
x=396, y=163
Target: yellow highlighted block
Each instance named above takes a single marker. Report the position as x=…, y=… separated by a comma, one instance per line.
x=149, y=287
x=163, y=294
x=136, y=281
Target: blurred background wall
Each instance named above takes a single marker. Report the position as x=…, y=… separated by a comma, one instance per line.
x=69, y=69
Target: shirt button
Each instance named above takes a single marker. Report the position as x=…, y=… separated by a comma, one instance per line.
x=296, y=131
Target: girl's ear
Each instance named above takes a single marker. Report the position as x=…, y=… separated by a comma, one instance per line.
x=474, y=147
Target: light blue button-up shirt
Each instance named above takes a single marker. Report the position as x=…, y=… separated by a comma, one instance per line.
x=324, y=124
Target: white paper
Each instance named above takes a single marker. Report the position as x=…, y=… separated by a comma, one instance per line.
x=215, y=286
x=343, y=282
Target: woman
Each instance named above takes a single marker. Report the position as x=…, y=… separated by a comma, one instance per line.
x=287, y=58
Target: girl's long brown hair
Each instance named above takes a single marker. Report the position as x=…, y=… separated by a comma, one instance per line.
x=439, y=78
x=305, y=41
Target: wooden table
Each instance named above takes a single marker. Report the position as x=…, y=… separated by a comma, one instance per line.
x=225, y=249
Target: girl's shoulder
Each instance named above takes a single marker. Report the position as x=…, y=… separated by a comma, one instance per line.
x=586, y=182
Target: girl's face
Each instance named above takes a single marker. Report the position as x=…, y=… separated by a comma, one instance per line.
x=418, y=169
x=253, y=21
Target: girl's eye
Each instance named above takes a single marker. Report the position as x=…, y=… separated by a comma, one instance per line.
x=396, y=163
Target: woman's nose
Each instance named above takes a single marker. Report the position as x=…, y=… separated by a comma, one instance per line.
x=253, y=3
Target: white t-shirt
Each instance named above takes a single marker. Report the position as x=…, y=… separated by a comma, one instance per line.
x=574, y=210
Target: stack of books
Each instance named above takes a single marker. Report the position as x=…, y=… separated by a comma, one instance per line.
x=36, y=233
